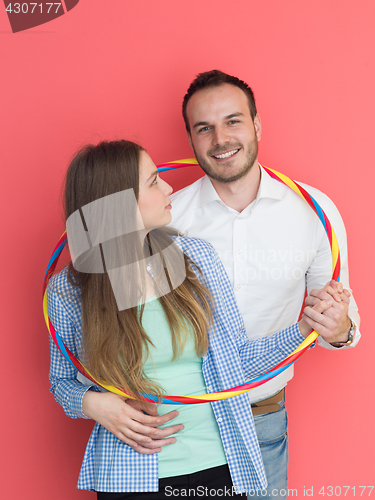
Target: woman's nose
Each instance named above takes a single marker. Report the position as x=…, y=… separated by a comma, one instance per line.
x=167, y=188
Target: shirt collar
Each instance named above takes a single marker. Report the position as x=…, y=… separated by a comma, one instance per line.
x=268, y=188
x=207, y=192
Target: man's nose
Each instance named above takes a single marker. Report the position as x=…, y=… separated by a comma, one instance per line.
x=220, y=136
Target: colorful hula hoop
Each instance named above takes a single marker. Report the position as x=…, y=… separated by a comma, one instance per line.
x=227, y=393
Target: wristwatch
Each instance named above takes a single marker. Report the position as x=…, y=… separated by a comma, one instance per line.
x=352, y=330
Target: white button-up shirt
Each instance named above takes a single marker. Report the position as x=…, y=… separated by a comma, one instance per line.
x=272, y=251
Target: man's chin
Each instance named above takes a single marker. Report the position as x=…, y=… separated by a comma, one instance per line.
x=226, y=177
x=226, y=180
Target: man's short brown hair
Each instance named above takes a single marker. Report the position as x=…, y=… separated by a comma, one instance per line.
x=215, y=78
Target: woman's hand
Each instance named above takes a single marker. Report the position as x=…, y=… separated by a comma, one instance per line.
x=132, y=422
x=331, y=322
x=313, y=318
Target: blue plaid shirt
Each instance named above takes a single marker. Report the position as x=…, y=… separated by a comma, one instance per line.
x=232, y=359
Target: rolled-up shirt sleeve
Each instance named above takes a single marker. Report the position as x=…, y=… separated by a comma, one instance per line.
x=312, y=278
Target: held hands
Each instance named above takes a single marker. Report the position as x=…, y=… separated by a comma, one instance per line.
x=327, y=313
x=130, y=421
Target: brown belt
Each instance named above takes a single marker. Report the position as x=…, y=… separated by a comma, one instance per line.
x=269, y=405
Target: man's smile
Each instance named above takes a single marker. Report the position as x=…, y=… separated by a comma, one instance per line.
x=226, y=154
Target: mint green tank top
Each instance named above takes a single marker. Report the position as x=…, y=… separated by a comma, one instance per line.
x=198, y=445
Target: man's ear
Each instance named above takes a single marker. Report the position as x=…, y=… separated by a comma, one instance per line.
x=258, y=126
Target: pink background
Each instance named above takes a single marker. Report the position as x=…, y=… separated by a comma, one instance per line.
x=117, y=68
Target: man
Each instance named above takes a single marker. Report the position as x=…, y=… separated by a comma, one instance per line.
x=246, y=205
x=270, y=241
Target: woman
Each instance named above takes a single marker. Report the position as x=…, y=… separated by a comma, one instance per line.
x=153, y=313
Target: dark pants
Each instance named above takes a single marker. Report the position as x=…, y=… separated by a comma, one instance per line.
x=214, y=482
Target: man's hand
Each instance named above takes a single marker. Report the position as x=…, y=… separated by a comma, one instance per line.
x=132, y=422
x=337, y=325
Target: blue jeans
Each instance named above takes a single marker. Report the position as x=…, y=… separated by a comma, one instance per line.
x=272, y=432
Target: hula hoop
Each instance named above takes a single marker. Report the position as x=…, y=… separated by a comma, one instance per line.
x=227, y=393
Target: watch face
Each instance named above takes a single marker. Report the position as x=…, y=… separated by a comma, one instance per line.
x=351, y=332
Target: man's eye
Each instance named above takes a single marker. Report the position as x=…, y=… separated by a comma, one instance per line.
x=204, y=129
x=232, y=122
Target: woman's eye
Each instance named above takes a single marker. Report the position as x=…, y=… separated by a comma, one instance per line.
x=155, y=181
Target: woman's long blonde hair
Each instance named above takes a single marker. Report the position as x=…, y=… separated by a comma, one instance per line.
x=115, y=343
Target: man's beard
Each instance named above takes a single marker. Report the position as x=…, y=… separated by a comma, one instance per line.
x=243, y=170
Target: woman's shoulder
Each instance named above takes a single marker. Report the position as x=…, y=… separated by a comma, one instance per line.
x=61, y=284
x=197, y=249
x=197, y=244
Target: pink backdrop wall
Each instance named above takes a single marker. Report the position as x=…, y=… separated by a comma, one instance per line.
x=118, y=68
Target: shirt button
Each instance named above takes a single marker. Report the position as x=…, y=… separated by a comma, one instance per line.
x=227, y=452
x=208, y=388
x=238, y=287
x=239, y=251
x=148, y=267
x=219, y=420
